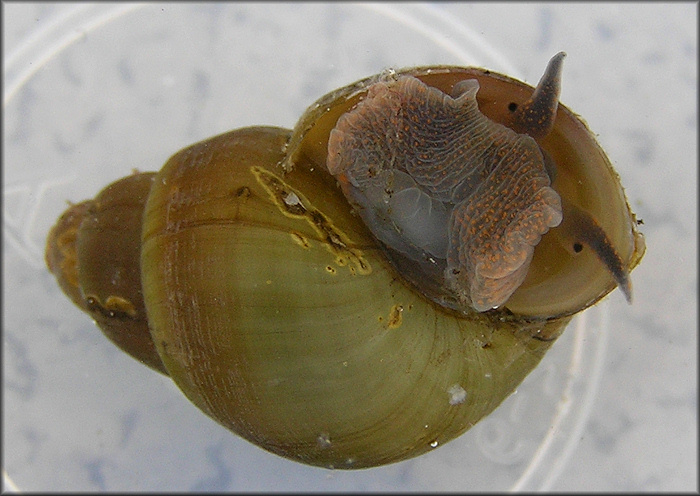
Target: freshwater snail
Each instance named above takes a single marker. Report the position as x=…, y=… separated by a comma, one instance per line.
x=245, y=271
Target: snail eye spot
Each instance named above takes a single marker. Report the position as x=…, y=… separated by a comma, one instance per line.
x=578, y=247
x=431, y=174
x=512, y=106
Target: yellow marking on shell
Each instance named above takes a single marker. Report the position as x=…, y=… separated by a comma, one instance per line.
x=395, y=317
x=300, y=239
x=331, y=270
x=243, y=192
x=292, y=203
x=342, y=261
x=69, y=263
x=113, y=306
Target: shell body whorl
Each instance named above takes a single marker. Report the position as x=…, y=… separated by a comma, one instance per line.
x=362, y=361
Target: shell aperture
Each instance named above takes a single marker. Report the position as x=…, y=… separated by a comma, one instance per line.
x=432, y=177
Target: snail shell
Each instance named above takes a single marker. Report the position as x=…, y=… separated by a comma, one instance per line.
x=285, y=318
x=95, y=249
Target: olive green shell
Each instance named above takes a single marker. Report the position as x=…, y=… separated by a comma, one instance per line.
x=272, y=307
x=293, y=330
x=94, y=250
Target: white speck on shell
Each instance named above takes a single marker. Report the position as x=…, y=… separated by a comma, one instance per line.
x=457, y=394
x=292, y=199
x=323, y=440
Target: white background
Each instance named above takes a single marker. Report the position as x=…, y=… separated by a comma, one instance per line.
x=91, y=92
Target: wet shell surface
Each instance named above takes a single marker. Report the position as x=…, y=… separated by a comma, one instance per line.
x=303, y=306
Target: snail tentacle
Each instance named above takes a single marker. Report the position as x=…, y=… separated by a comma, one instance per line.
x=536, y=116
x=584, y=230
